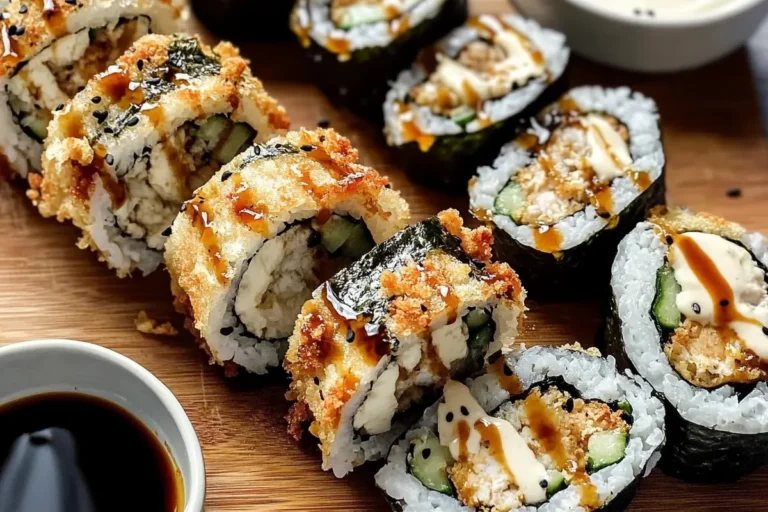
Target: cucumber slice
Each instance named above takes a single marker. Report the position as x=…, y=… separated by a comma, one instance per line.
x=211, y=130
x=428, y=461
x=477, y=318
x=479, y=340
x=361, y=14
x=36, y=126
x=604, y=449
x=510, y=200
x=664, y=305
x=463, y=115
x=241, y=135
x=626, y=407
x=335, y=232
x=556, y=481
x=358, y=243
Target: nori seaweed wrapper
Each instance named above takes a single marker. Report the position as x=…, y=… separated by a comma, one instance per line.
x=583, y=270
x=452, y=160
x=361, y=83
x=234, y=19
x=692, y=452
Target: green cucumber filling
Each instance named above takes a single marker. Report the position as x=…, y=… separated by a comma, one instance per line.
x=347, y=14
x=566, y=439
x=664, y=304
x=53, y=76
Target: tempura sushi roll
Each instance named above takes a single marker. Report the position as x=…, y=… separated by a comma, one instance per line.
x=379, y=340
x=48, y=52
x=130, y=148
x=689, y=312
x=462, y=99
x=550, y=429
x=248, y=249
x=357, y=47
x=561, y=195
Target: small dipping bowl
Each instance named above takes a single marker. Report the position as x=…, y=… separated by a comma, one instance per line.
x=34, y=367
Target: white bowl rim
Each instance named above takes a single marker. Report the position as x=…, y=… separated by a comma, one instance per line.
x=196, y=485
x=732, y=9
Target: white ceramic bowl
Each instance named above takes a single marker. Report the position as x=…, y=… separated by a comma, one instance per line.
x=33, y=367
x=648, y=44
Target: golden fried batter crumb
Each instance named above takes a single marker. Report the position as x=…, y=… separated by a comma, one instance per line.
x=148, y=325
x=298, y=415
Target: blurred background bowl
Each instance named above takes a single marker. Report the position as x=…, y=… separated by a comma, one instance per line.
x=648, y=44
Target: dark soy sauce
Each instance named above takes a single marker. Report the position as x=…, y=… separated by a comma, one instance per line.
x=124, y=465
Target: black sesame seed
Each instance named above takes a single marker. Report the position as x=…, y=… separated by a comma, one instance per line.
x=651, y=13
x=449, y=417
x=387, y=186
x=226, y=175
x=307, y=147
x=323, y=123
x=109, y=130
x=100, y=115
x=146, y=150
x=724, y=302
x=322, y=138
x=464, y=411
x=765, y=331
x=568, y=405
x=321, y=395
x=317, y=381
x=423, y=308
x=350, y=335
x=140, y=64
x=544, y=484
x=183, y=207
x=167, y=231
x=425, y=453
x=696, y=308
x=670, y=239
x=70, y=2
x=153, y=81
x=60, y=106
x=20, y=31
x=12, y=30
x=96, y=99
x=507, y=371
x=733, y=192
x=109, y=159
x=638, y=12
x=23, y=9
x=226, y=331
x=257, y=150
x=133, y=121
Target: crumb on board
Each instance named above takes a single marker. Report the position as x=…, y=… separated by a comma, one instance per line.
x=148, y=325
x=733, y=192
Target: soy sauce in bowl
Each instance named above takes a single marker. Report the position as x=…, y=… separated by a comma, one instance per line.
x=121, y=463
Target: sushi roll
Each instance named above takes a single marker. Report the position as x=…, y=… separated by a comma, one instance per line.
x=48, y=52
x=356, y=47
x=463, y=98
x=248, y=249
x=689, y=313
x=377, y=342
x=130, y=148
x=550, y=429
x=564, y=192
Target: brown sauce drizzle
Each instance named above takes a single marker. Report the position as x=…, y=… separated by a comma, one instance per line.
x=491, y=438
x=324, y=350
x=603, y=201
x=473, y=98
x=508, y=381
x=83, y=179
x=568, y=105
x=54, y=18
x=412, y=133
x=340, y=46
x=399, y=26
x=71, y=124
x=201, y=217
x=156, y=115
x=590, y=500
x=482, y=214
x=607, y=148
x=641, y=179
x=545, y=429
x=248, y=209
x=464, y=432
x=549, y=241
x=715, y=283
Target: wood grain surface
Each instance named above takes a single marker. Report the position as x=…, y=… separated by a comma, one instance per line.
x=49, y=289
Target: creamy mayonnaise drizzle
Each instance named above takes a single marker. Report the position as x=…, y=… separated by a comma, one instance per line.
x=464, y=435
x=517, y=68
x=661, y=8
x=609, y=155
x=721, y=286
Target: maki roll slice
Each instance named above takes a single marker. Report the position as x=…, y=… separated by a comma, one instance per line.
x=564, y=192
x=550, y=429
x=48, y=52
x=356, y=47
x=248, y=249
x=130, y=148
x=378, y=341
x=463, y=98
x=689, y=312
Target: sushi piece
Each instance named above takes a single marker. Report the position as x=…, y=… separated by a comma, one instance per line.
x=130, y=148
x=378, y=341
x=463, y=98
x=356, y=47
x=48, y=52
x=689, y=313
x=564, y=192
x=550, y=429
x=248, y=249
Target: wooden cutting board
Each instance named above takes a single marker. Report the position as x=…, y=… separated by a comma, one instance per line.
x=49, y=289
